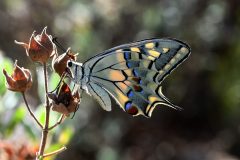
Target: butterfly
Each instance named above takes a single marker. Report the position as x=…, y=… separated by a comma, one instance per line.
x=131, y=74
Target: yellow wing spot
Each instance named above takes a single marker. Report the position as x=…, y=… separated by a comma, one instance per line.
x=165, y=50
x=178, y=55
x=151, y=58
x=184, y=50
x=121, y=98
x=150, y=108
x=153, y=99
x=149, y=45
x=119, y=50
x=116, y=75
x=161, y=72
x=154, y=53
x=123, y=87
x=167, y=66
x=173, y=61
x=135, y=49
x=120, y=57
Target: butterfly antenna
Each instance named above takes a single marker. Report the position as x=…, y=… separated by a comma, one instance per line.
x=54, y=40
x=59, y=83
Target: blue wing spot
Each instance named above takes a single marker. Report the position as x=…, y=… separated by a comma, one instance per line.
x=135, y=73
x=132, y=64
x=131, y=109
x=127, y=55
x=128, y=105
x=129, y=65
x=130, y=94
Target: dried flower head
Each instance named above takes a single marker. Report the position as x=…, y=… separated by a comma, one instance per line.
x=59, y=63
x=65, y=101
x=20, y=80
x=10, y=151
x=40, y=47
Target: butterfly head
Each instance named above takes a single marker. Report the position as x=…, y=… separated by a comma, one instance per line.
x=74, y=71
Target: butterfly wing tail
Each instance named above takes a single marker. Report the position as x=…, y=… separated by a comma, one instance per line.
x=166, y=101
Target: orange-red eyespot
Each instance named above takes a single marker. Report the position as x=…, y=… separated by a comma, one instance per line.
x=131, y=109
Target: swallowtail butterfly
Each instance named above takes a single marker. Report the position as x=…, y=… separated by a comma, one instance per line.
x=131, y=73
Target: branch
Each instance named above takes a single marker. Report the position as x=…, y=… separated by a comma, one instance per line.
x=60, y=120
x=45, y=129
x=30, y=111
x=55, y=152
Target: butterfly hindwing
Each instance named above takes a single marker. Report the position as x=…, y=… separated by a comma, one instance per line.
x=132, y=73
x=100, y=95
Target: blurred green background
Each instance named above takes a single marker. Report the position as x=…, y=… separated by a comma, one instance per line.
x=206, y=85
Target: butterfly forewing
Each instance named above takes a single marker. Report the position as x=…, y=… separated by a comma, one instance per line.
x=132, y=73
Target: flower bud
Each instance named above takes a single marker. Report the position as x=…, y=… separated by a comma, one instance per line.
x=59, y=63
x=20, y=80
x=40, y=47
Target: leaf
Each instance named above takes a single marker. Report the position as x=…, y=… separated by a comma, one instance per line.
x=65, y=135
x=54, y=116
x=29, y=130
x=40, y=114
x=17, y=118
x=54, y=79
x=8, y=65
x=53, y=148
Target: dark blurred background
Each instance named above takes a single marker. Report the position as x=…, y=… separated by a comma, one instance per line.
x=206, y=85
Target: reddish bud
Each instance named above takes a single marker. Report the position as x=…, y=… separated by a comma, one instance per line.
x=59, y=63
x=20, y=80
x=40, y=47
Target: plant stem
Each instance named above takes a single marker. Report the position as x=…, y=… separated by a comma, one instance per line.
x=60, y=120
x=30, y=111
x=45, y=129
x=55, y=152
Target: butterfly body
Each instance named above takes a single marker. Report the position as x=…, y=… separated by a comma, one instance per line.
x=131, y=74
